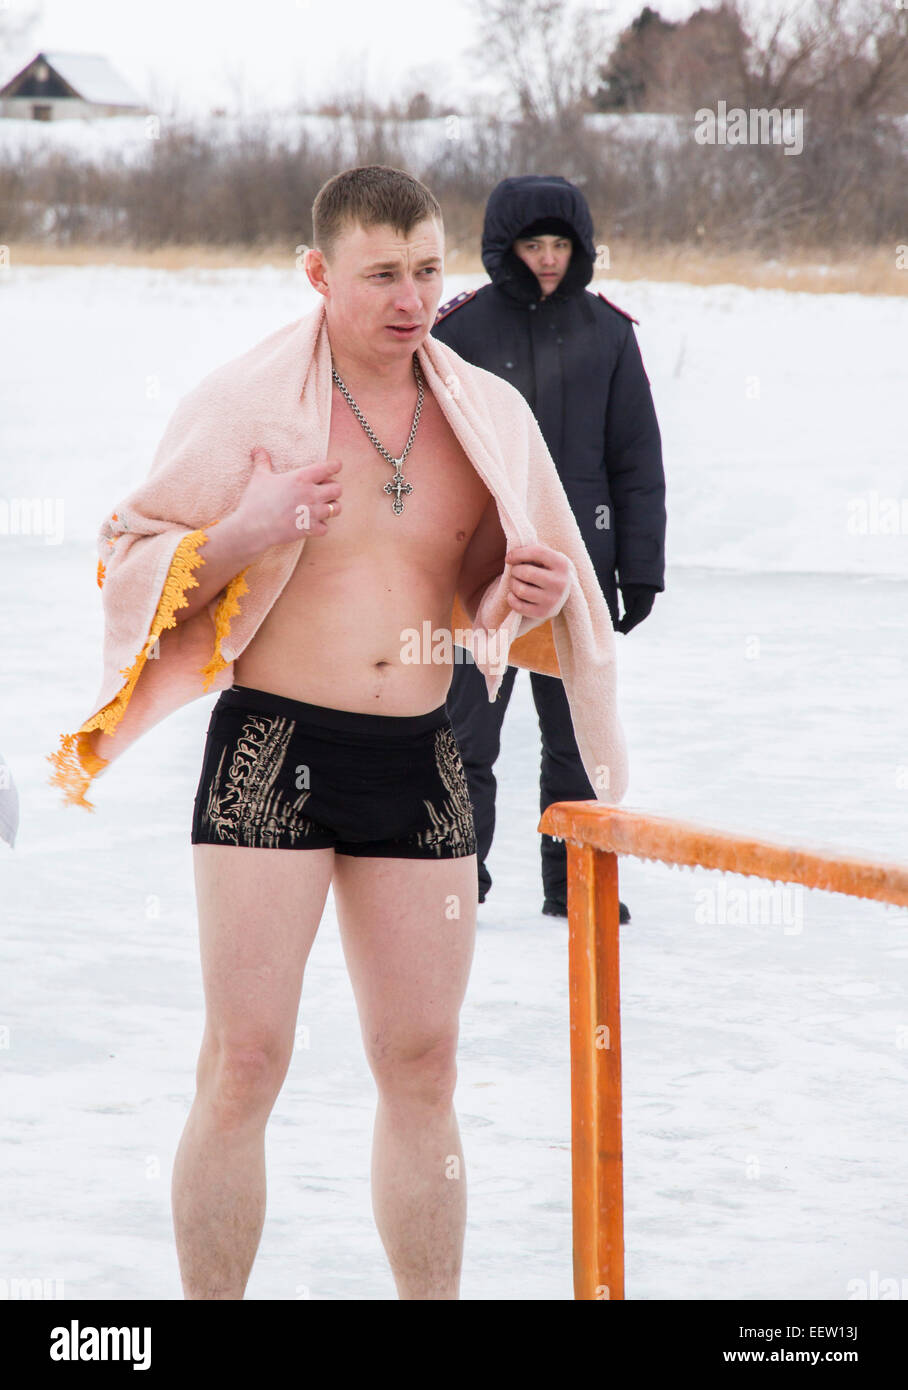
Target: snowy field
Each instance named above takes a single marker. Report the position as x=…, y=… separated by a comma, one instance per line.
x=764, y=1061
x=130, y=139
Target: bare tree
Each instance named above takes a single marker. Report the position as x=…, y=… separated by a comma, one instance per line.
x=837, y=59
x=548, y=52
x=841, y=58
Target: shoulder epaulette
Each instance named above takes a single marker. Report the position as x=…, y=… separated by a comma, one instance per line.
x=453, y=304
x=618, y=309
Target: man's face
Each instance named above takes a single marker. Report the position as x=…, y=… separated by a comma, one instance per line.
x=547, y=256
x=382, y=288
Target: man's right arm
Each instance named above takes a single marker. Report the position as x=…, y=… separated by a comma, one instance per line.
x=229, y=548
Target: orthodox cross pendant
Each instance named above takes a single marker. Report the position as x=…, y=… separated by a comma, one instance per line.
x=398, y=485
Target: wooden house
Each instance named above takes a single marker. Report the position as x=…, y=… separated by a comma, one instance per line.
x=57, y=85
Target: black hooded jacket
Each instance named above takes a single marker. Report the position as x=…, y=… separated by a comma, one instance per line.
x=574, y=357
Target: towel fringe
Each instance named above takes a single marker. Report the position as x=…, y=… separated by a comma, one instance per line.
x=76, y=763
x=227, y=608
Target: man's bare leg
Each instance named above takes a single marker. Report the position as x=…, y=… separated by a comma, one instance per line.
x=259, y=911
x=408, y=930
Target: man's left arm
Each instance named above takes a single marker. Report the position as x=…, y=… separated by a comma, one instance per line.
x=633, y=463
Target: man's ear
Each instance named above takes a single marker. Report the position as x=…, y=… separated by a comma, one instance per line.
x=315, y=266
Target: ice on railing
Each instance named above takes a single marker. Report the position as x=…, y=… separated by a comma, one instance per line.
x=686, y=845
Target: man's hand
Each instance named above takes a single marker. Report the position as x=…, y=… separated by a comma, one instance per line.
x=540, y=580
x=288, y=506
x=638, y=602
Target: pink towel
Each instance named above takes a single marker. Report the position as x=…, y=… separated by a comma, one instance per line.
x=278, y=395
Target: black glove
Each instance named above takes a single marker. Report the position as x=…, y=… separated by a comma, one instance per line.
x=638, y=602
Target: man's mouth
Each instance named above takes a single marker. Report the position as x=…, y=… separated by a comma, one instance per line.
x=404, y=330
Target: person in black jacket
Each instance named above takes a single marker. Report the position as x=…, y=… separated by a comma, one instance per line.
x=574, y=357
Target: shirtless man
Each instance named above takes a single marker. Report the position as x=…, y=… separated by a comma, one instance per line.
x=361, y=742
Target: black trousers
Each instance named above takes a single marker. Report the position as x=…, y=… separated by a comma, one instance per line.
x=477, y=725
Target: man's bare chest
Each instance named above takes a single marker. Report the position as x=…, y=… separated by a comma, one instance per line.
x=441, y=495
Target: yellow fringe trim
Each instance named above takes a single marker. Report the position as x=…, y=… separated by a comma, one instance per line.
x=100, y=574
x=227, y=608
x=75, y=763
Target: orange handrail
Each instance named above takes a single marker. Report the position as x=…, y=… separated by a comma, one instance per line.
x=596, y=834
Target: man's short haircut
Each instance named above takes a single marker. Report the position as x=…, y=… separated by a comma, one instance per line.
x=372, y=195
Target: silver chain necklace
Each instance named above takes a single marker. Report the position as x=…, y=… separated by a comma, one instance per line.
x=397, y=484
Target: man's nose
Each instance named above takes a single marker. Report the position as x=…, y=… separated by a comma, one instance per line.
x=407, y=298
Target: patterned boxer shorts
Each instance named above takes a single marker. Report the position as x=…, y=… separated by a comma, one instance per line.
x=282, y=774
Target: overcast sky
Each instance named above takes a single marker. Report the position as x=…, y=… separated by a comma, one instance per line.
x=208, y=52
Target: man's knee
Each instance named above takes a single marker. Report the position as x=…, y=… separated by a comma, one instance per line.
x=421, y=1073
x=240, y=1076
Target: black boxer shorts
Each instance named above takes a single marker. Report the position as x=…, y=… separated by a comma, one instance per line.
x=282, y=774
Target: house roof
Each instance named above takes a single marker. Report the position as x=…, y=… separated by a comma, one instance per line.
x=89, y=74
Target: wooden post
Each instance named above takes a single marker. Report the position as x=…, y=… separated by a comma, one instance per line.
x=596, y=1157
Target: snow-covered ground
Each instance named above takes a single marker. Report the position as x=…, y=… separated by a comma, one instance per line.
x=764, y=1060
x=129, y=139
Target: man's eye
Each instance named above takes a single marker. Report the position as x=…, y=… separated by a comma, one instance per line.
x=430, y=269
